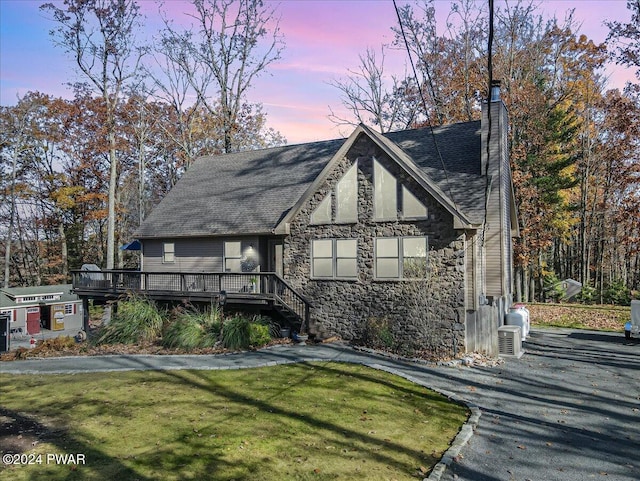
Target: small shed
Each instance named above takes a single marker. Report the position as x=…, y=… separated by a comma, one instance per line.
x=48, y=307
x=571, y=288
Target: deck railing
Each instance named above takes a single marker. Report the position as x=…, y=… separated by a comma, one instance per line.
x=265, y=285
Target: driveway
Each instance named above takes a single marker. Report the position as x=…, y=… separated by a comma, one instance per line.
x=568, y=410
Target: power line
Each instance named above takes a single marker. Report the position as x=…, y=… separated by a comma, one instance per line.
x=424, y=102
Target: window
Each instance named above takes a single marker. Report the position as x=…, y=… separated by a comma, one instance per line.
x=387, y=259
x=346, y=200
x=68, y=309
x=233, y=256
x=168, y=253
x=334, y=258
x=385, y=198
x=322, y=214
x=414, y=257
x=347, y=196
x=401, y=257
x=412, y=208
x=347, y=258
x=391, y=198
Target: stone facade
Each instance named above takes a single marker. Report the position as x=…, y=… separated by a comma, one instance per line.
x=423, y=315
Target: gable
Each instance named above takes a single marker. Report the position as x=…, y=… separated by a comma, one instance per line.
x=472, y=189
x=258, y=192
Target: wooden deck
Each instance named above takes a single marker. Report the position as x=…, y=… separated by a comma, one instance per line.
x=263, y=290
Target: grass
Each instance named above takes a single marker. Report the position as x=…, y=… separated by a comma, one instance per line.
x=294, y=422
x=137, y=320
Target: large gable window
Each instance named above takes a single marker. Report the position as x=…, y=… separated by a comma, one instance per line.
x=345, y=194
x=322, y=214
x=392, y=200
x=334, y=258
x=412, y=208
x=385, y=197
x=401, y=257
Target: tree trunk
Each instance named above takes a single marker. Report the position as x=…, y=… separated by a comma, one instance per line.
x=64, y=252
x=113, y=180
x=12, y=214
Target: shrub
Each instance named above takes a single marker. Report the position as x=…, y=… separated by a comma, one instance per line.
x=259, y=334
x=617, y=293
x=194, y=329
x=587, y=295
x=377, y=334
x=236, y=333
x=553, y=287
x=137, y=320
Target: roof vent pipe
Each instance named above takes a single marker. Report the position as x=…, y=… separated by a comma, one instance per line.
x=495, y=90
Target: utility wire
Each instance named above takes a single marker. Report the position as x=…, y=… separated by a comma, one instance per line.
x=490, y=75
x=424, y=102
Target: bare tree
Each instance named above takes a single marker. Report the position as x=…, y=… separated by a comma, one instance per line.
x=231, y=43
x=13, y=146
x=100, y=36
x=371, y=98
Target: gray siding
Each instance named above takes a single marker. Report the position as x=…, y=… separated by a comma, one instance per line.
x=498, y=245
x=199, y=254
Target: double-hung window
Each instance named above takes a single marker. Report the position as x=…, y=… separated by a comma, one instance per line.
x=401, y=257
x=334, y=258
x=168, y=253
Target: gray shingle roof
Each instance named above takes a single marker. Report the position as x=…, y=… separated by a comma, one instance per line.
x=250, y=192
x=459, y=146
x=240, y=193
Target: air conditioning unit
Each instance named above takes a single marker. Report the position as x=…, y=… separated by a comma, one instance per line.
x=510, y=341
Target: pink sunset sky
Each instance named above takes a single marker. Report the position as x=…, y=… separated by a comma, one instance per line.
x=323, y=40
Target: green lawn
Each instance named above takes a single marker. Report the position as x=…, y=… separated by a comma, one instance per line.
x=304, y=421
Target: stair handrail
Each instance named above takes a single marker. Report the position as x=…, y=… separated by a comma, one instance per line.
x=304, y=307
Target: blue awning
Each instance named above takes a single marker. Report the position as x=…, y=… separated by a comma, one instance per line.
x=131, y=246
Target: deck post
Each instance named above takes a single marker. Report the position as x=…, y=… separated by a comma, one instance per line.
x=85, y=313
x=306, y=315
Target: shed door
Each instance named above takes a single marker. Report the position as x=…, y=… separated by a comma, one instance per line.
x=33, y=314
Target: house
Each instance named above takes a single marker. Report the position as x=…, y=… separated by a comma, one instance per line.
x=414, y=227
x=53, y=307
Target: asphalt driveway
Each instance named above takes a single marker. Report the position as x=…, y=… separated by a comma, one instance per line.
x=568, y=410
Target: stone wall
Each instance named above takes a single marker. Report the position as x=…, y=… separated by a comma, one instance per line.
x=424, y=315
